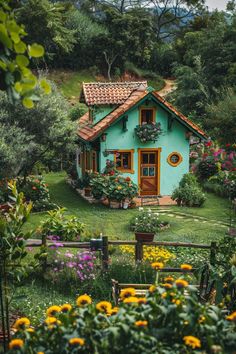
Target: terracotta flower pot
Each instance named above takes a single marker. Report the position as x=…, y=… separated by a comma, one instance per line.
x=144, y=236
x=114, y=204
x=87, y=192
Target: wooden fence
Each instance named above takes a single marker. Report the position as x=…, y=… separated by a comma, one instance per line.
x=104, y=243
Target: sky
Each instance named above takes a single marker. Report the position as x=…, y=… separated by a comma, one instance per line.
x=219, y=4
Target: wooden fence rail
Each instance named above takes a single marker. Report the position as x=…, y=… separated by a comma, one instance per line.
x=105, y=243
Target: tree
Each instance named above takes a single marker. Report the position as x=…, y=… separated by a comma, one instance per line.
x=33, y=133
x=221, y=117
x=15, y=76
x=45, y=23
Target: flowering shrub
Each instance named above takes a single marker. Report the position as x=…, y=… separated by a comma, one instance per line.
x=146, y=221
x=148, y=132
x=169, y=319
x=208, y=159
x=223, y=184
x=188, y=193
x=34, y=189
x=150, y=253
x=68, y=228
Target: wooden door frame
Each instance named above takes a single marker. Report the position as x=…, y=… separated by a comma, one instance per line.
x=158, y=150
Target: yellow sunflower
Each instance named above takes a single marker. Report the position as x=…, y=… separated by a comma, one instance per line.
x=22, y=323
x=181, y=283
x=130, y=300
x=16, y=344
x=66, y=307
x=157, y=265
x=53, y=310
x=83, y=300
x=231, y=317
x=127, y=293
x=186, y=267
x=104, y=306
x=77, y=341
x=141, y=323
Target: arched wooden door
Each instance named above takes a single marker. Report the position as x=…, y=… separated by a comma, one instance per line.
x=149, y=171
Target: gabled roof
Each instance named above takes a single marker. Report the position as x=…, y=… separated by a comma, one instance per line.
x=88, y=132
x=100, y=93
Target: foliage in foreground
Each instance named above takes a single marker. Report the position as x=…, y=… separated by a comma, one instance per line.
x=169, y=319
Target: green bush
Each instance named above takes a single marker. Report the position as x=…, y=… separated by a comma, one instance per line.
x=67, y=227
x=188, y=193
x=77, y=111
x=99, y=184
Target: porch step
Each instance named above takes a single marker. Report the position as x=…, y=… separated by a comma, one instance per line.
x=154, y=201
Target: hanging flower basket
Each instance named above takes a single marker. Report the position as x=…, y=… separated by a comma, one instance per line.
x=148, y=132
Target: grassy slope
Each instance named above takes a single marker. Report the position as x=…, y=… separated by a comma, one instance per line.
x=70, y=82
x=114, y=223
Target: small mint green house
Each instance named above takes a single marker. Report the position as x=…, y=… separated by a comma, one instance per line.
x=109, y=131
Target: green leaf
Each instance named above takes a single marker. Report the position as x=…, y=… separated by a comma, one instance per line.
x=36, y=50
x=45, y=86
x=20, y=47
x=18, y=87
x=22, y=60
x=28, y=103
x=3, y=16
x=15, y=37
x=4, y=38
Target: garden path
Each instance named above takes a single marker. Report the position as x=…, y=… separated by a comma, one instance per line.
x=189, y=217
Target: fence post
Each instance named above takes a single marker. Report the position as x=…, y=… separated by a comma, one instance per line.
x=138, y=251
x=44, y=245
x=213, y=253
x=105, y=255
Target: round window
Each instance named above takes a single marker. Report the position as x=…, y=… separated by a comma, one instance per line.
x=174, y=159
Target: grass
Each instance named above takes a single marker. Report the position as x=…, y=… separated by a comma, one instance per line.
x=115, y=223
x=70, y=82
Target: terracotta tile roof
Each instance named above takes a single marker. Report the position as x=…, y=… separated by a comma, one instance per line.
x=98, y=93
x=88, y=132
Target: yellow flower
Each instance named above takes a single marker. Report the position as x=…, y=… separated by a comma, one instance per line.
x=157, y=265
x=77, y=341
x=53, y=310
x=113, y=311
x=30, y=330
x=176, y=302
x=186, y=323
x=131, y=299
x=40, y=352
x=83, y=300
x=186, y=267
x=104, y=306
x=164, y=295
x=22, y=323
x=51, y=320
x=201, y=319
x=152, y=288
x=192, y=342
x=127, y=293
x=16, y=344
x=167, y=285
x=169, y=279
x=232, y=317
x=141, y=323
x=142, y=300
x=181, y=283
x=66, y=308
x=119, y=188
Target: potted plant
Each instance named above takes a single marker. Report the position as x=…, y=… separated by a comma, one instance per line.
x=148, y=132
x=86, y=184
x=145, y=225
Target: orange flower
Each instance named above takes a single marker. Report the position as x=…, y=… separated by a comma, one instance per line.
x=77, y=341
x=157, y=265
x=142, y=300
x=16, y=344
x=169, y=279
x=22, y=323
x=141, y=323
x=192, y=342
x=231, y=317
x=186, y=267
x=181, y=283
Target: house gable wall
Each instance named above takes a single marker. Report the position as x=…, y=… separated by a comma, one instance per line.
x=173, y=140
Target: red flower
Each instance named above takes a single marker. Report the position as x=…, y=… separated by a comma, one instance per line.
x=34, y=188
x=128, y=179
x=205, y=155
x=112, y=173
x=209, y=143
x=227, y=145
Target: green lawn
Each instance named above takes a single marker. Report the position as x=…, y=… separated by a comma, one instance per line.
x=114, y=223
